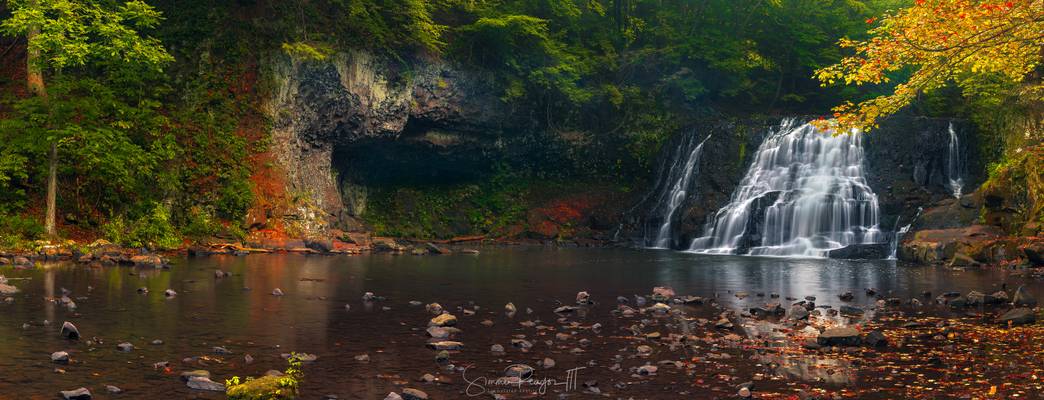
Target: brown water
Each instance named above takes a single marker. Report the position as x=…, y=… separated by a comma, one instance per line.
x=239, y=313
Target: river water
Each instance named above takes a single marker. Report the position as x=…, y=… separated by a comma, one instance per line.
x=240, y=313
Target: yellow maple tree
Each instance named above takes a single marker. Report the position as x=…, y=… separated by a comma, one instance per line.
x=940, y=41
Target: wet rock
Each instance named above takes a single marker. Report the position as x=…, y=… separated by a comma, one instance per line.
x=565, y=309
x=1018, y=316
x=442, y=356
x=76, y=394
x=69, y=331
x=767, y=310
x=434, y=308
x=622, y=300
x=875, y=339
x=847, y=296
x=842, y=336
x=583, y=298
x=147, y=260
x=156, y=342
x=168, y=293
x=60, y=357
x=221, y=274
x=723, y=324
x=639, y=301
x=199, y=373
x=647, y=370
x=143, y=290
x=369, y=296
x=427, y=378
x=849, y=310
x=248, y=359
x=519, y=371
x=496, y=348
x=1022, y=298
x=510, y=307
x=798, y=312
x=113, y=389
x=413, y=394
x=393, y=396
x=19, y=260
x=1000, y=297
x=644, y=350
x=438, y=332
x=7, y=290
x=220, y=350
x=521, y=344
x=446, y=319
x=445, y=345
x=125, y=347
x=486, y=322
x=201, y=383
x=277, y=292
x=548, y=363
x=662, y=293
x=362, y=358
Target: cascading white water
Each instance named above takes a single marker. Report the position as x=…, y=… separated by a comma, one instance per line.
x=804, y=194
x=674, y=187
x=953, y=164
x=900, y=232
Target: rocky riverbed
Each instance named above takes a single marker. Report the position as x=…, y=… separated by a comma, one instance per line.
x=523, y=323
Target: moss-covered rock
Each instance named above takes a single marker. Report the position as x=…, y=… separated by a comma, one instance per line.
x=267, y=387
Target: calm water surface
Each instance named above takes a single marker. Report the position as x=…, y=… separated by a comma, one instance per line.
x=239, y=312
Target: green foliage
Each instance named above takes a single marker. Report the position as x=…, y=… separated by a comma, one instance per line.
x=152, y=229
x=307, y=52
x=16, y=231
x=267, y=387
x=75, y=33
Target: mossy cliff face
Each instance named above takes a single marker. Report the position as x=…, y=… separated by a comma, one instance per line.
x=319, y=108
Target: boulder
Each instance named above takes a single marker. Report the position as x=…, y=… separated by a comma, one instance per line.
x=875, y=339
x=1022, y=298
x=1035, y=253
x=842, y=336
x=147, y=260
x=662, y=293
x=1018, y=316
x=868, y=251
x=414, y=394
x=60, y=357
x=202, y=383
x=446, y=319
x=445, y=345
x=798, y=312
x=69, y=331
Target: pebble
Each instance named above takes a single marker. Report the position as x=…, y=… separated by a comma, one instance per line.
x=496, y=348
x=168, y=293
x=113, y=389
x=362, y=358
x=393, y=396
x=277, y=292
x=125, y=347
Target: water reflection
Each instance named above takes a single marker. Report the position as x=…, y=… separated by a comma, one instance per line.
x=239, y=312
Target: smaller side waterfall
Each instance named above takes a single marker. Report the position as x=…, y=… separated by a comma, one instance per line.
x=897, y=236
x=954, y=165
x=673, y=188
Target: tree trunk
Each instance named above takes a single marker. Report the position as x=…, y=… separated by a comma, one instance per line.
x=35, y=80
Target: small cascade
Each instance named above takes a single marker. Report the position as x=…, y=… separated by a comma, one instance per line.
x=954, y=165
x=804, y=195
x=672, y=189
x=897, y=236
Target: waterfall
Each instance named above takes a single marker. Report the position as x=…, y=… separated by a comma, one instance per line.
x=897, y=236
x=804, y=194
x=673, y=187
x=953, y=164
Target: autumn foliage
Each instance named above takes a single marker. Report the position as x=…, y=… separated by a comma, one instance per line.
x=966, y=42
